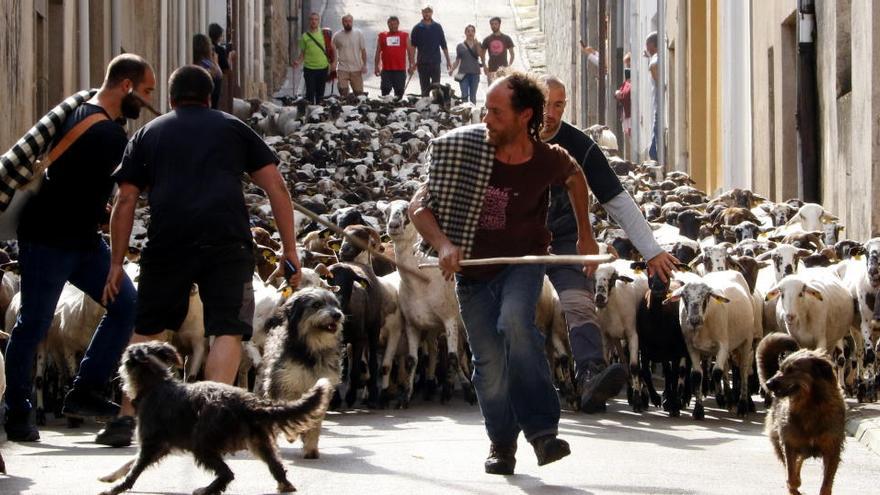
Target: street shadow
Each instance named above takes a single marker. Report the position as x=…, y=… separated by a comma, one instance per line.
x=536, y=486
x=14, y=484
x=354, y=461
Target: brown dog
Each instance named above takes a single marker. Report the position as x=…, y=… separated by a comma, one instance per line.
x=808, y=411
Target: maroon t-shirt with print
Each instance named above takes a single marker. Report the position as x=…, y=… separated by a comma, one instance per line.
x=513, y=221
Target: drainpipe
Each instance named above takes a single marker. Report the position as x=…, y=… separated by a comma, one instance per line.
x=808, y=102
x=661, y=83
x=84, y=54
x=115, y=34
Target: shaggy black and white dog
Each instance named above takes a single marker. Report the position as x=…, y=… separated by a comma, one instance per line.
x=302, y=347
x=208, y=419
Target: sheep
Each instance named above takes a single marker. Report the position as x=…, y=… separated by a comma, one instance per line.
x=816, y=308
x=617, y=305
x=863, y=281
x=550, y=320
x=717, y=317
x=430, y=308
x=810, y=217
x=359, y=297
x=714, y=258
x=661, y=341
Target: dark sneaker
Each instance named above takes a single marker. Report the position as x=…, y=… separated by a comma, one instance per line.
x=19, y=427
x=598, y=384
x=501, y=459
x=87, y=403
x=549, y=449
x=117, y=433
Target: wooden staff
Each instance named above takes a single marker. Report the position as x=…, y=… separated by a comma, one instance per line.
x=567, y=259
x=354, y=240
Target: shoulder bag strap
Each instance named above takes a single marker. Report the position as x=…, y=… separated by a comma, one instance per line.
x=72, y=135
x=477, y=58
x=319, y=45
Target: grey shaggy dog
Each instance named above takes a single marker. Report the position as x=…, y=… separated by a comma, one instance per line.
x=302, y=347
x=208, y=419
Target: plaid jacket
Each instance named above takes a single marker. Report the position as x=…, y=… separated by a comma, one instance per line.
x=460, y=166
x=17, y=164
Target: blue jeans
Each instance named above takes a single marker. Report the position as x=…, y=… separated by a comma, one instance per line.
x=468, y=87
x=511, y=374
x=652, y=152
x=44, y=270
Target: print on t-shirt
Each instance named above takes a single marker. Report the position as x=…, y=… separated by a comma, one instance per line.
x=496, y=47
x=494, y=214
x=393, y=40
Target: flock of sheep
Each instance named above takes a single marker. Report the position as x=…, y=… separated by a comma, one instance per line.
x=750, y=267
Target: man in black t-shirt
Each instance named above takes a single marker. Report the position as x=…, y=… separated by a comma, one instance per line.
x=59, y=242
x=596, y=381
x=496, y=46
x=190, y=162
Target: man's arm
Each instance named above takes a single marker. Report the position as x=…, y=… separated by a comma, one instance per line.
x=624, y=211
x=411, y=51
x=269, y=179
x=512, y=55
x=121, y=220
x=378, y=58
x=425, y=222
x=579, y=196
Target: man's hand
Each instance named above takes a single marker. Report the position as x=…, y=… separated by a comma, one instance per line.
x=663, y=265
x=448, y=66
x=450, y=255
x=377, y=72
x=588, y=246
x=111, y=286
x=296, y=278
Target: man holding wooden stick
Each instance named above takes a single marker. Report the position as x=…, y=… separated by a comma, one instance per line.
x=487, y=196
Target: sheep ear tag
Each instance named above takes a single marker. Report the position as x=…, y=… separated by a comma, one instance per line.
x=287, y=292
x=638, y=271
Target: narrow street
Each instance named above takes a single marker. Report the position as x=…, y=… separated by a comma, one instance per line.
x=434, y=449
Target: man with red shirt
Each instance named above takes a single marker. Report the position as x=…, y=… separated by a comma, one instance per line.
x=391, y=58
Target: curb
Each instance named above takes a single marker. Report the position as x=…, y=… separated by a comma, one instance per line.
x=865, y=430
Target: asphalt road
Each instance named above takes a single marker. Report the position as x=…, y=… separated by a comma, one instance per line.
x=434, y=449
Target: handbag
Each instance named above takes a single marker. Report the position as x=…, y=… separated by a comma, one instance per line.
x=10, y=219
x=459, y=75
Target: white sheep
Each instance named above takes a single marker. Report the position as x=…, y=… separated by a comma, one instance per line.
x=717, y=316
x=430, y=307
x=816, y=310
x=619, y=291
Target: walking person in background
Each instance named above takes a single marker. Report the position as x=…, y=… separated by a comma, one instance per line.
x=596, y=380
x=651, y=54
x=315, y=57
x=467, y=60
x=392, y=54
x=497, y=45
x=351, y=57
x=624, y=103
x=205, y=57
x=224, y=53
x=426, y=40
x=58, y=242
